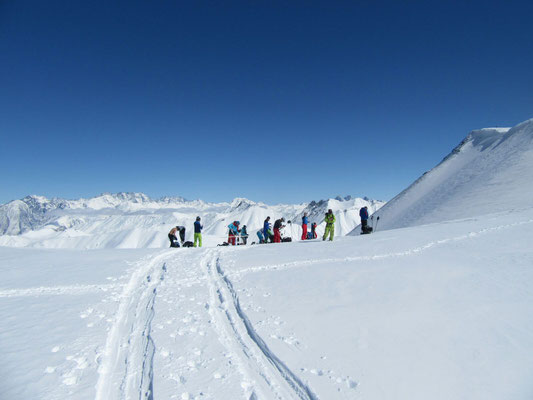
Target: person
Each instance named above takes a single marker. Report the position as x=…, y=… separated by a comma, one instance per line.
x=277, y=226
x=260, y=236
x=313, y=230
x=363, y=213
x=304, y=226
x=266, y=228
x=244, y=234
x=198, y=232
x=173, y=238
x=330, y=225
x=233, y=232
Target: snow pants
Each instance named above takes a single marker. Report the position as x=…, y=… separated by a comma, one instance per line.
x=330, y=230
x=198, y=238
x=304, y=230
x=260, y=236
x=277, y=236
x=182, y=235
x=231, y=239
x=173, y=240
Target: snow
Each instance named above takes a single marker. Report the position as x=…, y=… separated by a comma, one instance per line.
x=491, y=170
x=441, y=307
x=436, y=311
x=133, y=220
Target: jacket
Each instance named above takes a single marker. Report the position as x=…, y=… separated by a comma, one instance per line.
x=198, y=227
x=305, y=221
x=233, y=229
x=363, y=213
x=330, y=219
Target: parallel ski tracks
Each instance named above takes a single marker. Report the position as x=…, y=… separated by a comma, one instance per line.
x=266, y=376
x=126, y=371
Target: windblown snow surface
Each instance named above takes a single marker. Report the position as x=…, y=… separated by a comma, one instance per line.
x=436, y=311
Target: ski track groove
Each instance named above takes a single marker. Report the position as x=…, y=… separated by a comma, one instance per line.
x=258, y=363
x=126, y=371
x=375, y=257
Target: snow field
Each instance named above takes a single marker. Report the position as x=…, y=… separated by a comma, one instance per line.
x=437, y=311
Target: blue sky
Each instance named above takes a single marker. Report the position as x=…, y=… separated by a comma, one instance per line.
x=274, y=101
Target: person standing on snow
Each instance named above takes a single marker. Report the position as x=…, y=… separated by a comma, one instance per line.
x=305, y=221
x=313, y=230
x=277, y=226
x=198, y=232
x=233, y=232
x=244, y=234
x=330, y=225
x=266, y=229
x=363, y=213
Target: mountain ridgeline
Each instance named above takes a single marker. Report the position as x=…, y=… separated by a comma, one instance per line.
x=134, y=220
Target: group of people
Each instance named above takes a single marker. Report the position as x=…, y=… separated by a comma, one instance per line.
x=265, y=234
x=174, y=242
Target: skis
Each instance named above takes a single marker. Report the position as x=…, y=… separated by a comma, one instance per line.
x=373, y=228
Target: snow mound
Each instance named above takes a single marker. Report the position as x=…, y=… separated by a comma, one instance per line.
x=491, y=170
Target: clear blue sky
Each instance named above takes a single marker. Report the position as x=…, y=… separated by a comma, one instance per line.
x=275, y=101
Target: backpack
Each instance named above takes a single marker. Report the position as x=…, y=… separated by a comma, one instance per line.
x=223, y=244
x=287, y=239
x=188, y=244
x=310, y=235
x=366, y=230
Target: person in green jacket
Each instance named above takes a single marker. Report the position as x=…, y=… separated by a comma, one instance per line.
x=330, y=225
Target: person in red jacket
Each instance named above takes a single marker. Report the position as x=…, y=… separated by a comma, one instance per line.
x=277, y=226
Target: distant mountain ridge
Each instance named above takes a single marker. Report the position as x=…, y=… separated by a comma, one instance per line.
x=136, y=220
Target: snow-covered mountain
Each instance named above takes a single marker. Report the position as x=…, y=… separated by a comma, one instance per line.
x=134, y=220
x=488, y=172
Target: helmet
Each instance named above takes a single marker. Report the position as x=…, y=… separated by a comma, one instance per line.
x=330, y=211
x=283, y=219
x=198, y=218
x=237, y=223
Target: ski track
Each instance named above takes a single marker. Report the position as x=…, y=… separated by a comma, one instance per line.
x=263, y=371
x=375, y=257
x=126, y=371
x=58, y=290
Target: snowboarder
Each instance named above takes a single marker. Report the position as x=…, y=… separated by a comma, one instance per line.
x=363, y=213
x=305, y=221
x=277, y=226
x=233, y=232
x=330, y=225
x=198, y=232
x=244, y=234
x=173, y=238
x=313, y=230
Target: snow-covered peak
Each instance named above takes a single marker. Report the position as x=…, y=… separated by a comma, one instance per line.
x=490, y=171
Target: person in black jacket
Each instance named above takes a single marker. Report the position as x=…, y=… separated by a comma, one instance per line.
x=277, y=226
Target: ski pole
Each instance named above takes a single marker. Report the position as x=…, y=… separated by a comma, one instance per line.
x=376, y=228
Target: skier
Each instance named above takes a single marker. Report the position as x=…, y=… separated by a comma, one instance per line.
x=172, y=236
x=277, y=226
x=363, y=213
x=260, y=236
x=304, y=226
x=244, y=234
x=233, y=232
x=330, y=225
x=266, y=229
x=198, y=232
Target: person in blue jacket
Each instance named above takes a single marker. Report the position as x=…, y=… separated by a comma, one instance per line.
x=233, y=232
x=260, y=236
x=266, y=229
x=305, y=221
x=198, y=232
x=244, y=234
x=363, y=213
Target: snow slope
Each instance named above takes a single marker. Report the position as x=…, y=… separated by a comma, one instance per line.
x=133, y=220
x=491, y=170
x=440, y=311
